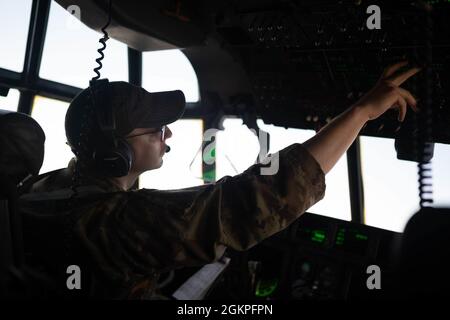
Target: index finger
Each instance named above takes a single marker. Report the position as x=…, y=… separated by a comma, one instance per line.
x=402, y=77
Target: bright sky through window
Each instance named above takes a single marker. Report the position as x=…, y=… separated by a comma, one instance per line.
x=182, y=166
x=169, y=70
x=11, y=101
x=391, y=186
x=336, y=202
x=237, y=148
x=50, y=114
x=70, y=51
x=14, y=23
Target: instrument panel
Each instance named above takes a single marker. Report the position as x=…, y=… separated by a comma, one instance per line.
x=316, y=258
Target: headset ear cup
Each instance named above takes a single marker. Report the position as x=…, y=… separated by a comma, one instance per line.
x=126, y=153
x=116, y=162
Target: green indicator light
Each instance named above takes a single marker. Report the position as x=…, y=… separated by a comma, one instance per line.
x=318, y=236
x=340, y=237
x=265, y=288
x=361, y=236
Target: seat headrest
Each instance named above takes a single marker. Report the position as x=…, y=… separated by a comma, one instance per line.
x=21, y=145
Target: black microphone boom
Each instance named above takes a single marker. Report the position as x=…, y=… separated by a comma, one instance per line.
x=167, y=149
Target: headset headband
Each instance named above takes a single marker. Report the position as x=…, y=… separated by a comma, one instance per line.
x=104, y=114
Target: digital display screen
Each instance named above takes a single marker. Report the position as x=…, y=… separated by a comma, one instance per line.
x=315, y=235
x=351, y=240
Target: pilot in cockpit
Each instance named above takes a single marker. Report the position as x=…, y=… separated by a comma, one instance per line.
x=123, y=238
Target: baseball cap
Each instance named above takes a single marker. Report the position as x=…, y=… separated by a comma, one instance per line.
x=133, y=107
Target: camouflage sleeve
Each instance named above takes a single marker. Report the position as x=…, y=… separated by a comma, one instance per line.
x=186, y=227
x=243, y=210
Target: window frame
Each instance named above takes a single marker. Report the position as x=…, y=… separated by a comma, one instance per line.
x=31, y=85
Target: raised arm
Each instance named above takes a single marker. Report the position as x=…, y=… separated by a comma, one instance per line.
x=333, y=140
x=161, y=230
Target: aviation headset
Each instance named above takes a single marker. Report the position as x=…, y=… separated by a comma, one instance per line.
x=113, y=155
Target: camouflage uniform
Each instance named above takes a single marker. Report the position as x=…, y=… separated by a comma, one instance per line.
x=126, y=238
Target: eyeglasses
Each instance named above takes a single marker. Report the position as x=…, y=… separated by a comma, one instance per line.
x=162, y=130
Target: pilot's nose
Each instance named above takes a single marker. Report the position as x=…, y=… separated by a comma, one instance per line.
x=168, y=133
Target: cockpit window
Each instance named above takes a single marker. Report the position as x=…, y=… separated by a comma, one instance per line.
x=182, y=166
x=336, y=203
x=169, y=70
x=390, y=185
x=238, y=148
x=441, y=175
x=11, y=101
x=14, y=23
x=50, y=114
x=70, y=51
